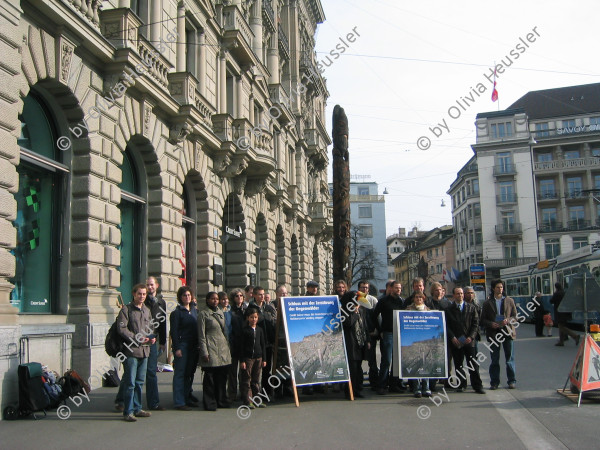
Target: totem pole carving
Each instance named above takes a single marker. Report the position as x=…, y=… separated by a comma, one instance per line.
x=341, y=197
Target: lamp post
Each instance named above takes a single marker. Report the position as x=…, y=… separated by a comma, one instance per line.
x=531, y=143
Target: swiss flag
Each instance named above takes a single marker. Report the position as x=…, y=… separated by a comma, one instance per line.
x=495, y=91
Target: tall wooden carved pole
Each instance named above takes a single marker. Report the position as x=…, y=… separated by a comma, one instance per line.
x=341, y=197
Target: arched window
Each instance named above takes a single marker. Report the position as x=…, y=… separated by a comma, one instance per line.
x=132, y=232
x=41, y=200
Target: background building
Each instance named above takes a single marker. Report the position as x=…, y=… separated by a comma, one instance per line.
x=538, y=171
x=183, y=140
x=429, y=255
x=368, y=252
x=466, y=218
x=396, y=244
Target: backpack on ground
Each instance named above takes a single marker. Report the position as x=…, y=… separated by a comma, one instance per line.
x=72, y=384
x=111, y=379
x=53, y=389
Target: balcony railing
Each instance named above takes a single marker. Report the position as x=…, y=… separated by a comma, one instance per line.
x=506, y=198
x=575, y=193
x=284, y=44
x=508, y=229
x=268, y=15
x=555, y=164
x=578, y=224
x=505, y=169
x=367, y=198
x=87, y=8
x=547, y=195
x=550, y=227
x=572, y=225
x=499, y=263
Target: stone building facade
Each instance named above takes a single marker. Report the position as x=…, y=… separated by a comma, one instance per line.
x=184, y=140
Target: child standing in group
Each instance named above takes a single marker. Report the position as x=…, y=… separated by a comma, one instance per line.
x=252, y=351
x=548, y=323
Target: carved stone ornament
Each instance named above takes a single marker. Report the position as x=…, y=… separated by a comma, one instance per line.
x=176, y=88
x=197, y=156
x=255, y=186
x=191, y=93
x=275, y=203
x=147, y=116
x=178, y=133
x=66, y=55
x=221, y=162
x=111, y=30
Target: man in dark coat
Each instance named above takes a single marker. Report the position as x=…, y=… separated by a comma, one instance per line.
x=562, y=318
x=462, y=323
x=538, y=314
x=386, y=307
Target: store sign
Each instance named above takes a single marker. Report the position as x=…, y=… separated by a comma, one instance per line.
x=578, y=129
x=236, y=233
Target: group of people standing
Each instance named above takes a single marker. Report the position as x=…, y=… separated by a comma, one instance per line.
x=464, y=319
x=233, y=340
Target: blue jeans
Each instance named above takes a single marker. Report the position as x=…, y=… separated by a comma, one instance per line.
x=133, y=380
x=184, y=368
x=386, y=346
x=151, y=378
x=508, y=346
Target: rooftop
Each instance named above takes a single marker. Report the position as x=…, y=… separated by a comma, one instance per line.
x=557, y=102
x=565, y=101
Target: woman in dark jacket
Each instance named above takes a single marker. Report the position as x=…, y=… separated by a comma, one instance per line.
x=357, y=343
x=184, y=336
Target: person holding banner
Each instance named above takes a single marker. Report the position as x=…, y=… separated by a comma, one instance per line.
x=419, y=386
x=357, y=342
x=438, y=302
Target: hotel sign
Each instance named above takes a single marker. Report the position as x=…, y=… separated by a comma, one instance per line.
x=578, y=129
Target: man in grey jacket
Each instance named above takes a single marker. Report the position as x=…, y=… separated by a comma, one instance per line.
x=134, y=324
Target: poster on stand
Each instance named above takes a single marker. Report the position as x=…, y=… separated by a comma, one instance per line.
x=315, y=340
x=420, y=349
